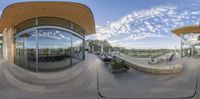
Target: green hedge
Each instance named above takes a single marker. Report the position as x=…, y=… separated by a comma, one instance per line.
x=118, y=65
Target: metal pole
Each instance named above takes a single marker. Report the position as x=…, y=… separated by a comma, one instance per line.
x=37, y=50
x=37, y=46
x=71, y=51
x=83, y=46
x=181, y=46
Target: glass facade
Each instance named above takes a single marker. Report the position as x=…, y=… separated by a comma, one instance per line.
x=54, y=49
x=77, y=49
x=25, y=50
x=48, y=49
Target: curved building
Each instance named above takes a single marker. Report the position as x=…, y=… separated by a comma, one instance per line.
x=45, y=36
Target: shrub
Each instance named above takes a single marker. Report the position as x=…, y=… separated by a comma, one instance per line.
x=118, y=65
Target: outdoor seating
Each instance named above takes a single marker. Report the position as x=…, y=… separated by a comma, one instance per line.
x=42, y=59
x=154, y=61
x=106, y=58
x=47, y=59
x=51, y=58
x=157, y=60
x=171, y=57
x=197, y=56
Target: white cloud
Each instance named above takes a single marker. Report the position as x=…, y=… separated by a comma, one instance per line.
x=124, y=25
x=154, y=22
x=1, y=12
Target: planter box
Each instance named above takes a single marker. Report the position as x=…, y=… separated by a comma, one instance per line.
x=119, y=70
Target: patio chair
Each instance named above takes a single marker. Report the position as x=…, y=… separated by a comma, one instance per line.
x=171, y=57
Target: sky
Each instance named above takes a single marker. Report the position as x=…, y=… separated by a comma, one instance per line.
x=138, y=24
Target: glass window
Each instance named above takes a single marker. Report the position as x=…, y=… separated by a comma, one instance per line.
x=54, y=49
x=18, y=50
x=25, y=45
x=57, y=49
x=77, y=49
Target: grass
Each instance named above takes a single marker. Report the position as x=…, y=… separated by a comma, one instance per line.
x=145, y=53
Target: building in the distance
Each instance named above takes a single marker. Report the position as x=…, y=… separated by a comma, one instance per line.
x=100, y=46
x=45, y=36
x=190, y=40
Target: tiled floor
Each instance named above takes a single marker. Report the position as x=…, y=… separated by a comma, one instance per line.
x=96, y=79
x=82, y=87
x=136, y=84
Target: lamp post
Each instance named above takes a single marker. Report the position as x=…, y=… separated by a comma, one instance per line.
x=181, y=46
x=101, y=43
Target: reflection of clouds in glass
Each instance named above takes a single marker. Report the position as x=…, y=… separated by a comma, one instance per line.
x=18, y=43
x=52, y=38
x=54, y=34
x=1, y=12
x=55, y=44
x=77, y=41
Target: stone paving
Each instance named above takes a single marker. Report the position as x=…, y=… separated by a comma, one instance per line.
x=135, y=84
x=87, y=89
x=100, y=81
x=154, y=69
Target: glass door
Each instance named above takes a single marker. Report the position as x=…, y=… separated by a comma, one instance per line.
x=54, y=49
x=21, y=52
x=18, y=51
x=30, y=50
x=25, y=50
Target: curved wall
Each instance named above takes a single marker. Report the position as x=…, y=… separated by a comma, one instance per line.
x=23, y=29
x=76, y=12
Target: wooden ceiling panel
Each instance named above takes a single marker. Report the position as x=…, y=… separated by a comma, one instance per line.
x=75, y=12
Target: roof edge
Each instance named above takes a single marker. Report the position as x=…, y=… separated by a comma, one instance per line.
x=10, y=5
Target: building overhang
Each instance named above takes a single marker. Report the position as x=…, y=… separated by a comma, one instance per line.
x=187, y=29
x=75, y=12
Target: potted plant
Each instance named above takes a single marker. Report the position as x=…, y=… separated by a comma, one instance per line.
x=118, y=65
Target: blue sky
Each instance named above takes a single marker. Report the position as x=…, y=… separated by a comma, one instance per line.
x=138, y=23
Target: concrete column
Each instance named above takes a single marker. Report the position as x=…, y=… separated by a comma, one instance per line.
x=181, y=47
x=9, y=45
x=3, y=44
x=193, y=50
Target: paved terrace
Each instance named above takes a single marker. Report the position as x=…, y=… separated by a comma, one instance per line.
x=164, y=68
x=136, y=84
x=144, y=61
x=133, y=84
x=82, y=86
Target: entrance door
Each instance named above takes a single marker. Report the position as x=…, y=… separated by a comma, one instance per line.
x=25, y=45
x=19, y=52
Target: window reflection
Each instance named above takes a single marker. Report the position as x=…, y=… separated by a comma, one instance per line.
x=54, y=49
x=57, y=49
x=78, y=50
x=25, y=50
